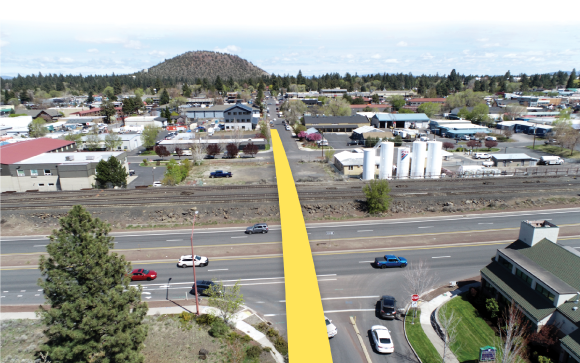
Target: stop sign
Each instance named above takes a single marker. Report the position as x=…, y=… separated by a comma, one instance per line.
x=415, y=297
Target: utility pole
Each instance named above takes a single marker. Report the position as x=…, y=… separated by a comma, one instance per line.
x=193, y=261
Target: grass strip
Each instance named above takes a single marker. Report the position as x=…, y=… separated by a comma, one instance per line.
x=418, y=339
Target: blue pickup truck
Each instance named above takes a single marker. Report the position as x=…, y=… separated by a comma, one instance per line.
x=220, y=174
x=390, y=261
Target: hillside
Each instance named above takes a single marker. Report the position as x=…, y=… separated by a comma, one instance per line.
x=205, y=64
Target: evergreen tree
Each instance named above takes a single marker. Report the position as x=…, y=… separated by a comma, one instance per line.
x=164, y=99
x=299, y=78
x=186, y=90
x=90, y=99
x=571, y=79
x=60, y=86
x=24, y=96
x=108, y=110
x=218, y=84
x=95, y=315
x=525, y=83
x=117, y=86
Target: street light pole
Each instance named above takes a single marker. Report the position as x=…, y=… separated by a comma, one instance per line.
x=193, y=260
x=167, y=293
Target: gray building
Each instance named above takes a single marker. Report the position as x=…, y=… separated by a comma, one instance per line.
x=215, y=112
x=513, y=160
x=239, y=116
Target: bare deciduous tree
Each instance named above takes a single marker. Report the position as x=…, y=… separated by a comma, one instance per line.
x=419, y=278
x=237, y=134
x=197, y=151
x=513, y=333
x=448, y=324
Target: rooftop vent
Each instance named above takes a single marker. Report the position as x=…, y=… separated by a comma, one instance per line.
x=69, y=158
x=91, y=157
x=532, y=232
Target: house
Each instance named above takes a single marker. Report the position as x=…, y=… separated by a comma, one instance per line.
x=145, y=121
x=239, y=116
x=95, y=112
x=48, y=115
x=201, y=113
x=543, y=278
x=383, y=120
x=419, y=101
x=351, y=162
x=362, y=133
x=335, y=123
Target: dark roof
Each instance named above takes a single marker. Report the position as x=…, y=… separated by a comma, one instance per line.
x=562, y=262
x=356, y=119
x=572, y=342
x=36, y=113
x=529, y=300
x=239, y=105
x=13, y=153
x=566, y=310
x=492, y=110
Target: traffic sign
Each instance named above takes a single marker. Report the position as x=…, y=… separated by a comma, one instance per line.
x=413, y=304
x=415, y=297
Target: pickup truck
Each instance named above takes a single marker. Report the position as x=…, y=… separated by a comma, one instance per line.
x=390, y=261
x=220, y=174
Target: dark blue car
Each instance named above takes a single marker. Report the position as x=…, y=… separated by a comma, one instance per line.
x=390, y=261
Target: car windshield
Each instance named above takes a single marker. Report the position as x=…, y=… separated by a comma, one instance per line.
x=145, y=272
x=197, y=257
x=328, y=322
x=385, y=340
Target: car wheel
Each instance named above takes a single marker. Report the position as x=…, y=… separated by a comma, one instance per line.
x=383, y=267
x=149, y=279
x=263, y=232
x=404, y=265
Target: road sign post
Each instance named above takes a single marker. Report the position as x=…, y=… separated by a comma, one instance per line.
x=414, y=303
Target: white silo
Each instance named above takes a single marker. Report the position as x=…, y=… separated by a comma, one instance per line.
x=434, y=159
x=369, y=164
x=418, y=159
x=403, y=157
x=386, y=161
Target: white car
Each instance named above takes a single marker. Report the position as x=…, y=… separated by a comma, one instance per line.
x=382, y=339
x=187, y=261
x=491, y=138
x=288, y=128
x=481, y=156
x=465, y=137
x=322, y=142
x=330, y=328
x=157, y=184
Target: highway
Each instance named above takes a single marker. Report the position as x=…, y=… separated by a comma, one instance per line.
x=349, y=284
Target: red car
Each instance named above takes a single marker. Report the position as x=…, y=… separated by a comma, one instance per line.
x=141, y=274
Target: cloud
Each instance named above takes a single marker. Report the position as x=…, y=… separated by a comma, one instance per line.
x=482, y=40
x=158, y=53
x=3, y=43
x=66, y=60
x=133, y=44
x=231, y=49
x=510, y=55
x=392, y=60
x=487, y=45
x=427, y=56
x=349, y=56
x=93, y=50
x=127, y=43
x=376, y=56
x=321, y=47
x=402, y=44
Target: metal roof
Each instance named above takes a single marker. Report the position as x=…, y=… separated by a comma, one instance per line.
x=364, y=129
x=239, y=105
x=512, y=157
x=339, y=120
x=13, y=153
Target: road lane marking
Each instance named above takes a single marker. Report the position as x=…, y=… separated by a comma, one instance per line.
x=146, y=293
x=173, y=240
x=22, y=290
x=19, y=296
x=240, y=237
x=365, y=230
x=427, y=227
x=219, y=269
x=36, y=294
x=259, y=302
x=441, y=257
x=486, y=223
x=351, y=297
x=39, y=245
x=366, y=261
x=307, y=335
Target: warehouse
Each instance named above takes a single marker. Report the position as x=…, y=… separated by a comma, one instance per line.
x=513, y=160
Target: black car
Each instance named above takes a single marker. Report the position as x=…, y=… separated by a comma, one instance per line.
x=388, y=307
x=202, y=287
x=355, y=142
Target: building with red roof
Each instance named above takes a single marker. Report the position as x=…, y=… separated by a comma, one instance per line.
x=13, y=153
x=95, y=112
x=419, y=101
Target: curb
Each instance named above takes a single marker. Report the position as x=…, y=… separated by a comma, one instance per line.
x=405, y=331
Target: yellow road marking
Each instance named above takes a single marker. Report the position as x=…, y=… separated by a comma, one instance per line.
x=307, y=335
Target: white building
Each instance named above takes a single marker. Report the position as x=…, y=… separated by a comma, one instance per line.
x=129, y=142
x=145, y=121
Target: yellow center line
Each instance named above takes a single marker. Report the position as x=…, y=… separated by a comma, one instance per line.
x=307, y=335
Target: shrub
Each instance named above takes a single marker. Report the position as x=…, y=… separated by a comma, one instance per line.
x=271, y=332
x=492, y=307
x=281, y=345
x=263, y=327
x=378, y=198
x=253, y=352
x=206, y=319
x=246, y=338
x=219, y=328
x=542, y=359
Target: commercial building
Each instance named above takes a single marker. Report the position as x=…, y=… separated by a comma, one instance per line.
x=145, y=121
x=543, y=278
x=383, y=120
x=335, y=123
x=202, y=113
x=362, y=133
x=239, y=116
x=351, y=162
x=419, y=101
x=129, y=142
x=513, y=160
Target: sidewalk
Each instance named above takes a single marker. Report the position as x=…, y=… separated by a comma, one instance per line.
x=429, y=322
x=239, y=321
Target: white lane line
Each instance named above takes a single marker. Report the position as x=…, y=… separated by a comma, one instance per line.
x=36, y=294
x=2, y=296
x=22, y=290
x=259, y=302
x=574, y=247
x=365, y=230
x=240, y=237
x=351, y=297
x=256, y=279
x=485, y=223
x=146, y=293
x=39, y=245
x=19, y=296
x=441, y=257
x=173, y=240
x=4, y=291
x=273, y=314
x=345, y=311
x=147, y=297
x=427, y=227
x=219, y=269
x=366, y=261
x=39, y=290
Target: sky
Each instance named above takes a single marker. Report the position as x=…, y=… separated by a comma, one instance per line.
x=316, y=37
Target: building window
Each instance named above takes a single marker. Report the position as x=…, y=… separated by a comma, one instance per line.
x=40, y=184
x=542, y=290
x=33, y=172
x=351, y=167
x=50, y=184
x=505, y=263
x=125, y=147
x=527, y=279
x=20, y=172
x=47, y=172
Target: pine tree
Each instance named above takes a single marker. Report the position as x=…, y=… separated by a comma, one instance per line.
x=571, y=80
x=90, y=99
x=164, y=99
x=117, y=86
x=525, y=86
x=218, y=84
x=95, y=315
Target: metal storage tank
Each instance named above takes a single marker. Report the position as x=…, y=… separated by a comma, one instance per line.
x=403, y=158
x=418, y=159
x=369, y=164
x=434, y=159
x=386, y=161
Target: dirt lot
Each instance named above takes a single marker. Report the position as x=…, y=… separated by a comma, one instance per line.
x=244, y=171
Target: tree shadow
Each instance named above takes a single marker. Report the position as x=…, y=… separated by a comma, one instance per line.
x=181, y=306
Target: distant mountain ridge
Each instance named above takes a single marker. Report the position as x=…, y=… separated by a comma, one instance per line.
x=206, y=64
